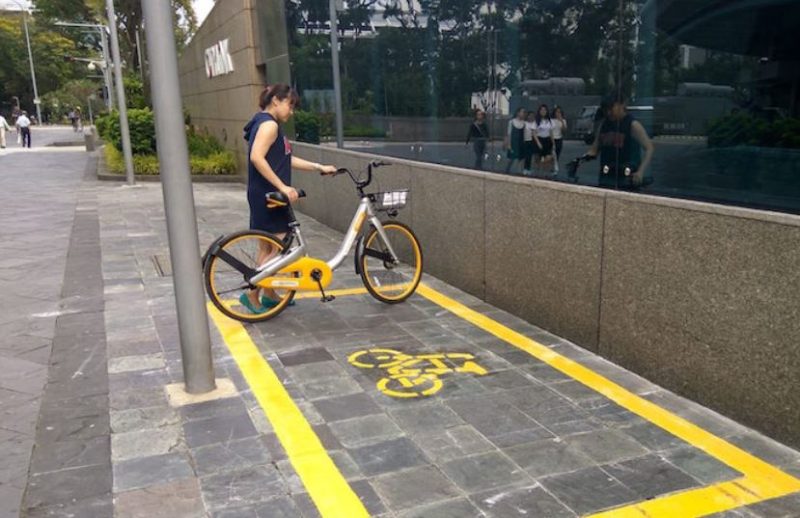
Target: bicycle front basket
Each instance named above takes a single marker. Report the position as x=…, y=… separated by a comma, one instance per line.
x=390, y=200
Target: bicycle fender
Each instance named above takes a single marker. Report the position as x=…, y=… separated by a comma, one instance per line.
x=359, y=252
x=212, y=249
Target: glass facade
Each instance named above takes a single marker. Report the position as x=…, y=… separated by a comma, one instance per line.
x=696, y=99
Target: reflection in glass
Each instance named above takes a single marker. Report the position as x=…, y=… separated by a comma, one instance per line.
x=714, y=84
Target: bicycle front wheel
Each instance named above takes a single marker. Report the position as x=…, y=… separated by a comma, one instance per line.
x=386, y=280
x=227, y=284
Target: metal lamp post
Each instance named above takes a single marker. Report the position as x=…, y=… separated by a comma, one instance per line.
x=36, y=100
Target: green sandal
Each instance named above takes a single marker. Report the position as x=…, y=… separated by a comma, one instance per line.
x=244, y=300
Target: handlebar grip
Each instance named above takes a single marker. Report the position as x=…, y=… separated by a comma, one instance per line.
x=301, y=193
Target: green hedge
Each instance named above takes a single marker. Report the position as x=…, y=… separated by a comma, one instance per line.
x=141, y=126
x=220, y=163
x=745, y=129
x=307, y=126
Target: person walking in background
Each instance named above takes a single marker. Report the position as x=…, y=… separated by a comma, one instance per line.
x=3, y=128
x=479, y=134
x=559, y=129
x=24, y=128
x=515, y=139
x=543, y=137
x=527, y=145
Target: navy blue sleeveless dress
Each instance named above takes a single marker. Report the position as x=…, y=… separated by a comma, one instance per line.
x=279, y=158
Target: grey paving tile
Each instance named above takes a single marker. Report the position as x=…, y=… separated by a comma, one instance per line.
x=346, y=407
x=700, y=465
x=420, y=418
x=485, y=471
x=365, y=492
x=588, y=490
x=142, y=418
x=650, y=476
x=653, y=437
x=495, y=417
x=414, y=487
x=150, y=471
x=310, y=355
x=452, y=443
x=326, y=388
x=229, y=406
x=177, y=499
x=145, y=443
x=362, y=431
x=548, y=457
x=387, y=456
x=70, y=454
x=246, y=487
x=230, y=455
x=506, y=379
x=49, y=489
x=525, y=501
x=211, y=430
x=100, y=506
x=279, y=507
x=605, y=446
x=456, y=508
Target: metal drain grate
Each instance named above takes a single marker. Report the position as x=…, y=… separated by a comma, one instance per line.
x=162, y=265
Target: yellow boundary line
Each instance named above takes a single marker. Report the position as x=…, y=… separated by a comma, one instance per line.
x=761, y=480
x=325, y=484
x=334, y=497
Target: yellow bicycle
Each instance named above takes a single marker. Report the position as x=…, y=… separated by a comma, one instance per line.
x=388, y=257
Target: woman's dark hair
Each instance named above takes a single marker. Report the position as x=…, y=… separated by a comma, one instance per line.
x=558, y=109
x=279, y=91
x=516, y=113
x=539, y=116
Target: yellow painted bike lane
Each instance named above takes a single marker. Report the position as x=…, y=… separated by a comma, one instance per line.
x=334, y=497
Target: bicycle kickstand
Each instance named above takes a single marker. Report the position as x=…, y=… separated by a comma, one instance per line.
x=317, y=276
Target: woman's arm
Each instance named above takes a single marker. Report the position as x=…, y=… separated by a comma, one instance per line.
x=265, y=137
x=305, y=165
x=640, y=134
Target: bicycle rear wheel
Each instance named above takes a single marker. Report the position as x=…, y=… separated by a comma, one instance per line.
x=385, y=280
x=226, y=282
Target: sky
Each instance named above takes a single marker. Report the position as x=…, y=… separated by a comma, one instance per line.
x=201, y=9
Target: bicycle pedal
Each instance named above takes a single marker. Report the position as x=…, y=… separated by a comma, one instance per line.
x=328, y=298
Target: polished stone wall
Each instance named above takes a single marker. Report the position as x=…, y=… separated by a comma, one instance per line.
x=700, y=298
x=256, y=34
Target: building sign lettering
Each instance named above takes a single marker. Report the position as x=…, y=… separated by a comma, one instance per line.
x=218, y=59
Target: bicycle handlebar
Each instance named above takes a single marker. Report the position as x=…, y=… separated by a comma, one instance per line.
x=360, y=185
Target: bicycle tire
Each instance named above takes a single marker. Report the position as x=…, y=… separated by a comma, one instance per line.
x=244, y=246
x=385, y=281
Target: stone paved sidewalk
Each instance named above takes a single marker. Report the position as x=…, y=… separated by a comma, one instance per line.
x=521, y=439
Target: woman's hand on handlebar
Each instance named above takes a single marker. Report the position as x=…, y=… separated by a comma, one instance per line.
x=291, y=193
x=326, y=170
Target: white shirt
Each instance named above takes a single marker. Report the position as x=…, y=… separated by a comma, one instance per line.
x=529, y=127
x=544, y=128
x=4, y=124
x=558, y=128
x=23, y=121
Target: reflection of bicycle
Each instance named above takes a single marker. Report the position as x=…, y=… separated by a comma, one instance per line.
x=410, y=376
x=388, y=257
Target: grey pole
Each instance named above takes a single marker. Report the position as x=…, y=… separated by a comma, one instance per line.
x=173, y=158
x=337, y=86
x=107, y=68
x=36, y=99
x=123, y=105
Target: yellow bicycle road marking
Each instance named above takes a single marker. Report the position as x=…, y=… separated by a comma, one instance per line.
x=325, y=484
x=761, y=480
x=411, y=372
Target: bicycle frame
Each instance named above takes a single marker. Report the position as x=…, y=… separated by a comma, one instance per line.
x=364, y=211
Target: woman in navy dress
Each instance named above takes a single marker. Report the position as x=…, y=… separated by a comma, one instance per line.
x=270, y=170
